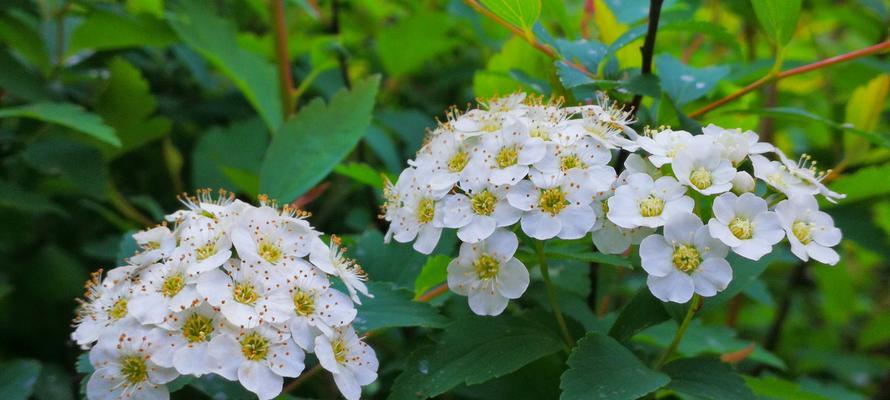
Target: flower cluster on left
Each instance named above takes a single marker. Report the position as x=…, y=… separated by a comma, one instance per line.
x=232, y=289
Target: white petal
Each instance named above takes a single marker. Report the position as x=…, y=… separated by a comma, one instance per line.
x=822, y=254
x=502, y=243
x=675, y=286
x=681, y=228
x=259, y=379
x=723, y=207
x=456, y=211
x=427, y=239
x=325, y=354
x=523, y=195
x=479, y=228
x=148, y=309
x=712, y=276
x=656, y=255
x=193, y=359
x=512, y=279
x=461, y=276
x=752, y=249
x=240, y=315
x=226, y=354
x=347, y=384
x=540, y=225
x=286, y=359
x=487, y=302
x=576, y=221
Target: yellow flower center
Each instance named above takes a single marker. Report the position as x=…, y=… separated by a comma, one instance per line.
x=568, y=162
x=197, y=328
x=458, y=161
x=426, y=210
x=118, y=310
x=254, y=347
x=491, y=124
x=153, y=245
x=686, y=258
x=701, y=178
x=802, y=231
x=483, y=203
x=304, y=303
x=172, y=285
x=776, y=180
x=245, y=293
x=339, y=348
x=508, y=156
x=486, y=267
x=207, y=250
x=552, y=200
x=651, y=206
x=133, y=369
x=742, y=228
x=269, y=251
x=605, y=206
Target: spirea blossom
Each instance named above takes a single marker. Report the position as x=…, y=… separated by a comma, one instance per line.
x=231, y=289
x=519, y=163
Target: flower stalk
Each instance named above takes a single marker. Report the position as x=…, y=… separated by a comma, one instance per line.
x=681, y=330
x=551, y=295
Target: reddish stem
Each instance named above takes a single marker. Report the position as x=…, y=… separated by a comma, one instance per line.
x=285, y=82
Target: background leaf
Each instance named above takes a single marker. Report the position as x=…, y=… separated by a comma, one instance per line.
x=394, y=307
x=778, y=18
x=68, y=115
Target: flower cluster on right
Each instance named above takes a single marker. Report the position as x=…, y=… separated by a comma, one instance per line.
x=687, y=200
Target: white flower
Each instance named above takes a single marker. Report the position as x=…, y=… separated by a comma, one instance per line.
x=506, y=155
x=701, y=167
x=157, y=243
x=262, y=235
x=581, y=153
x=317, y=308
x=351, y=361
x=811, y=232
x=161, y=289
x=635, y=164
x=547, y=122
x=607, y=123
x=776, y=174
x=512, y=104
x=105, y=311
x=245, y=294
x=415, y=212
x=644, y=202
x=744, y=224
x=608, y=237
x=556, y=204
x=488, y=274
x=736, y=144
x=186, y=342
x=204, y=244
x=332, y=260
x=664, y=145
x=805, y=170
x=445, y=159
x=478, y=122
x=124, y=369
x=479, y=212
x=684, y=261
x=258, y=358
x=742, y=183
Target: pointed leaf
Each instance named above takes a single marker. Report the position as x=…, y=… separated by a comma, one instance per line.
x=521, y=13
x=394, y=307
x=68, y=115
x=778, y=18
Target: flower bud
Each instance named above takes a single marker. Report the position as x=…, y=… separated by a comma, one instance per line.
x=742, y=183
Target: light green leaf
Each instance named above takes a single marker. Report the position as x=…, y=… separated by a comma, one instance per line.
x=17, y=378
x=214, y=38
x=778, y=18
x=684, y=83
x=863, y=184
x=362, y=173
x=516, y=54
x=127, y=105
x=433, y=273
x=222, y=150
x=68, y=115
x=408, y=44
x=803, y=115
x=773, y=388
x=394, y=307
x=643, y=311
x=307, y=147
x=473, y=350
x=706, y=379
x=108, y=30
x=521, y=13
x=863, y=112
x=600, y=367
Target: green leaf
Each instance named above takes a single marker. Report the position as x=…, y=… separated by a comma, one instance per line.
x=473, y=350
x=15, y=197
x=377, y=258
x=643, y=311
x=684, y=83
x=407, y=45
x=863, y=184
x=516, y=54
x=216, y=387
x=361, y=173
x=20, y=81
x=17, y=378
x=521, y=13
x=589, y=256
x=587, y=53
x=773, y=388
x=68, y=115
x=127, y=105
x=433, y=273
x=54, y=383
x=600, y=367
x=224, y=155
x=107, y=30
x=745, y=272
x=706, y=340
x=802, y=115
x=864, y=112
x=215, y=39
x=393, y=307
x=707, y=379
x=21, y=32
x=77, y=167
x=307, y=147
x=778, y=18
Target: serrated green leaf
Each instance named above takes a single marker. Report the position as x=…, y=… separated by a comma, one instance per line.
x=521, y=13
x=224, y=155
x=307, y=147
x=17, y=378
x=106, y=30
x=600, y=367
x=214, y=38
x=66, y=114
x=706, y=379
x=473, y=350
x=407, y=45
x=433, y=273
x=778, y=18
x=393, y=307
x=643, y=311
x=684, y=83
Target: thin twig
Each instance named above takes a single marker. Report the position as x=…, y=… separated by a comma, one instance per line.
x=648, y=48
x=770, y=77
x=285, y=82
x=681, y=330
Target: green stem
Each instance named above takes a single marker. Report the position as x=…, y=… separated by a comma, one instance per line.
x=551, y=295
x=124, y=207
x=693, y=307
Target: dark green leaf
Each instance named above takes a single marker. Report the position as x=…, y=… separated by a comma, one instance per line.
x=803, y=115
x=707, y=379
x=706, y=340
x=68, y=115
x=392, y=307
x=20, y=81
x=643, y=311
x=863, y=184
x=239, y=146
x=433, y=273
x=773, y=388
x=17, y=378
x=745, y=272
x=778, y=18
x=377, y=258
x=106, y=30
x=78, y=167
x=21, y=32
x=362, y=173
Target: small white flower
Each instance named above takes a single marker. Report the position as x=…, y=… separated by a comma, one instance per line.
x=264, y=236
x=245, y=294
x=608, y=237
x=161, y=289
x=776, y=174
x=352, y=362
x=415, y=213
x=805, y=170
x=581, y=153
x=507, y=155
x=736, y=144
x=742, y=183
x=258, y=358
x=556, y=204
x=744, y=224
x=186, y=342
x=488, y=274
x=700, y=167
x=608, y=125
x=664, y=145
x=204, y=244
x=479, y=122
x=445, y=159
x=105, y=310
x=684, y=261
x=317, y=308
x=124, y=369
x=644, y=202
x=479, y=212
x=512, y=104
x=548, y=122
x=811, y=232
x=635, y=164
x=157, y=243
x=332, y=260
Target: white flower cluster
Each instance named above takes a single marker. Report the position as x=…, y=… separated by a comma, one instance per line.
x=234, y=290
x=518, y=159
